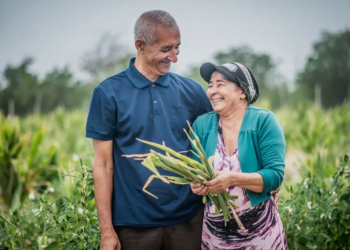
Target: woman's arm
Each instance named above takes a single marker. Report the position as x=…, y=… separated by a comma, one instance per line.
x=251, y=181
x=272, y=148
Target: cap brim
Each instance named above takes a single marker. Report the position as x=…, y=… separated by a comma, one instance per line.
x=207, y=69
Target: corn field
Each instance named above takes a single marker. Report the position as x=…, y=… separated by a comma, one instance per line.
x=46, y=186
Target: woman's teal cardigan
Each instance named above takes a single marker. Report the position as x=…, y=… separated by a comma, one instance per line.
x=261, y=146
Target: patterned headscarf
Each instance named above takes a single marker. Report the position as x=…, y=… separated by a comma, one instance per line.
x=237, y=73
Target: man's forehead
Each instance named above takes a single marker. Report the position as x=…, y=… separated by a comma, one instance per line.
x=163, y=34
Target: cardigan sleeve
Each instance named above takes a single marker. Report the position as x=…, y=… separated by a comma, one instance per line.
x=272, y=147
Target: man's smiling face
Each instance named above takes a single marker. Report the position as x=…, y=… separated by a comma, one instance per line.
x=164, y=51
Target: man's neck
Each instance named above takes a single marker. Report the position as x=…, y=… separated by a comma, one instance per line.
x=143, y=69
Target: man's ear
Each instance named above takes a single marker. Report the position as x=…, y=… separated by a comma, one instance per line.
x=140, y=46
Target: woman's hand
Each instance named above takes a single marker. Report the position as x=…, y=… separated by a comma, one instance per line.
x=199, y=189
x=221, y=182
x=276, y=197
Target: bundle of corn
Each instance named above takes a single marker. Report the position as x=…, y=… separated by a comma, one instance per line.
x=189, y=171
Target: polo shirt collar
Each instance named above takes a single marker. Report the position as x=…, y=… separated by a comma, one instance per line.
x=140, y=81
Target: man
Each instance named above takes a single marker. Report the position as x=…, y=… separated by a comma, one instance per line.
x=145, y=101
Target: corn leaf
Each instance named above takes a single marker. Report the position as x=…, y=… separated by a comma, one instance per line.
x=178, y=180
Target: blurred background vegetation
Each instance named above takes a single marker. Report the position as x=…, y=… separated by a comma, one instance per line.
x=324, y=80
x=46, y=194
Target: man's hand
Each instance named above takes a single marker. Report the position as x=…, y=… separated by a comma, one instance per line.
x=109, y=241
x=199, y=189
x=276, y=197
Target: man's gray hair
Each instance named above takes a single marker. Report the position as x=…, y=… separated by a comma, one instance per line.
x=145, y=26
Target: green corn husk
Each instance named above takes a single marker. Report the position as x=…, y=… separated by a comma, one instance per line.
x=189, y=171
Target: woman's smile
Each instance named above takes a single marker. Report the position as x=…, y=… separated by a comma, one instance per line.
x=217, y=100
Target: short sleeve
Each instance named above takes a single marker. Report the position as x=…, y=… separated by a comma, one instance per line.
x=101, y=121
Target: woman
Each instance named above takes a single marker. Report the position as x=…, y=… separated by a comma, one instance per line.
x=249, y=150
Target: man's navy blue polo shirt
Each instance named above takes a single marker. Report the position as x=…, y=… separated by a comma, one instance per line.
x=129, y=106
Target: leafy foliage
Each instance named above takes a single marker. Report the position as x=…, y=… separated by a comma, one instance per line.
x=319, y=134
x=65, y=223
x=21, y=229
x=28, y=94
x=329, y=68
x=20, y=88
x=21, y=175
x=10, y=147
x=72, y=222
x=317, y=215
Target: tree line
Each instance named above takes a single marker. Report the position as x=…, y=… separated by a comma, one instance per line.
x=324, y=80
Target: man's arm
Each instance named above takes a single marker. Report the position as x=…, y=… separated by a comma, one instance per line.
x=103, y=183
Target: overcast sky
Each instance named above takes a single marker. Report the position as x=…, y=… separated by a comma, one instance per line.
x=57, y=32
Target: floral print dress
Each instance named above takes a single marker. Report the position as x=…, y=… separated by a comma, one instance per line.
x=263, y=226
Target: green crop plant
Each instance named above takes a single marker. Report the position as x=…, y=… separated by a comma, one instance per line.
x=317, y=214
x=10, y=147
x=22, y=175
x=72, y=221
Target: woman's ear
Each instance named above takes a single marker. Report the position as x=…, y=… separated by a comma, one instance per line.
x=243, y=94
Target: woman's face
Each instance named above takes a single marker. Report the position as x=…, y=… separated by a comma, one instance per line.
x=224, y=95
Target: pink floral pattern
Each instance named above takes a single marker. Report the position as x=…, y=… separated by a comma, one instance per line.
x=264, y=229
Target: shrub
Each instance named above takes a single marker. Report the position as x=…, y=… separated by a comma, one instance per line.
x=71, y=222
x=317, y=215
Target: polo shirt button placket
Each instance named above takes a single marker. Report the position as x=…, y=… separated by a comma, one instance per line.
x=155, y=107
x=154, y=97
